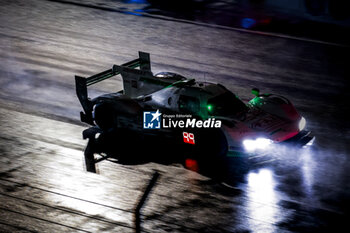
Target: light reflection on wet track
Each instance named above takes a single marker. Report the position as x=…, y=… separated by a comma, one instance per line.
x=43, y=186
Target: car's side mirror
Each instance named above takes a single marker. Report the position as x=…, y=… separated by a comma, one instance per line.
x=256, y=92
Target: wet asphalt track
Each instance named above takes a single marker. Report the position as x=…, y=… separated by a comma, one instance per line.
x=43, y=186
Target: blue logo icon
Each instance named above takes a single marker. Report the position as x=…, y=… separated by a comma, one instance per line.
x=151, y=120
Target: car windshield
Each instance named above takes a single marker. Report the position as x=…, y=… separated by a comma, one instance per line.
x=226, y=104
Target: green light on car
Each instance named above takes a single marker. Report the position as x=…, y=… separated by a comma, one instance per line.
x=210, y=107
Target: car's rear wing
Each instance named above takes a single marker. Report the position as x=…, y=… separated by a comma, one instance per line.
x=82, y=83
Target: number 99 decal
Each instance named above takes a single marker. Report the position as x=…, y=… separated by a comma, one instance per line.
x=188, y=138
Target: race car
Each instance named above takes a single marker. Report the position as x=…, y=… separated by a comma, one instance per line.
x=181, y=115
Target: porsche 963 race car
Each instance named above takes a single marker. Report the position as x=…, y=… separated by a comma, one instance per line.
x=175, y=114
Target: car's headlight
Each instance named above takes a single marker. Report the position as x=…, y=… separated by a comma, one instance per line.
x=257, y=144
x=302, y=123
